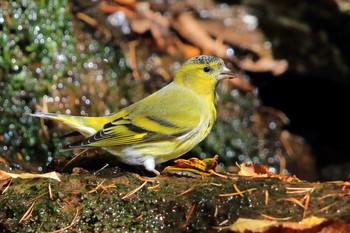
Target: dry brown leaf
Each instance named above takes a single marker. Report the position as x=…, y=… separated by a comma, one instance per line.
x=187, y=49
x=254, y=170
x=258, y=170
x=310, y=224
x=3, y=160
x=189, y=28
x=51, y=175
x=145, y=19
x=111, y=8
x=129, y=3
x=252, y=225
x=264, y=64
x=251, y=40
x=195, y=166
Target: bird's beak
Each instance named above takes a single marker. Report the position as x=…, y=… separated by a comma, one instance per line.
x=226, y=73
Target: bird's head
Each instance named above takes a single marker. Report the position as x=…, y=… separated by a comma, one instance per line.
x=202, y=73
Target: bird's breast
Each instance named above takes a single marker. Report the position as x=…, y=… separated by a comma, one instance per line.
x=203, y=127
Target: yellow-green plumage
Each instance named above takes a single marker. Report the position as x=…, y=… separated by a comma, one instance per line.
x=160, y=127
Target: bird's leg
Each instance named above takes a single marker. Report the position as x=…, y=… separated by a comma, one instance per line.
x=150, y=165
x=156, y=172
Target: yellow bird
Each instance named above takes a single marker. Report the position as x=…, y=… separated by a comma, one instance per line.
x=163, y=125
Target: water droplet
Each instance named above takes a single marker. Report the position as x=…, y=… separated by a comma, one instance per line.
x=117, y=19
x=272, y=169
x=270, y=160
x=256, y=159
x=61, y=58
x=126, y=29
x=228, y=21
x=107, y=112
x=33, y=15
x=230, y=52
x=36, y=30
x=251, y=21
x=272, y=125
x=241, y=157
x=92, y=48
x=230, y=154
x=235, y=93
x=204, y=14
x=267, y=45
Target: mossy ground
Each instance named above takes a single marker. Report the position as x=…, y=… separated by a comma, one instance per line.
x=164, y=204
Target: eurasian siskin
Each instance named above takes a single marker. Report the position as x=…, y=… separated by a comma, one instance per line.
x=163, y=125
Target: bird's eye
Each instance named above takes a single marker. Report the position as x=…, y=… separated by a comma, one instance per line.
x=207, y=69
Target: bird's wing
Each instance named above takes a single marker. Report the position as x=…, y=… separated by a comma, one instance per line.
x=125, y=131
x=145, y=122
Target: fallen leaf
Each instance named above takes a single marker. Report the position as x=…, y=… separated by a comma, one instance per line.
x=189, y=28
x=51, y=175
x=194, y=165
x=255, y=170
x=258, y=170
x=310, y=224
x=264, y=64
x=253, y=225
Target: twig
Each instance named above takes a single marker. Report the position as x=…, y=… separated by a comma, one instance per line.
x=70, y=161
x=223, y=222
x=37, y=197
x=106, y=165
x=134, y=191
x=216, y=211
x=71, y=224
x=7, y=187
x=50, y=192
x=235, y=194
x=97, y=187
x=274, y=218
x=306, y=204
x=237, y=190
x=187, y=191
x=189, y=215
x=28, y=213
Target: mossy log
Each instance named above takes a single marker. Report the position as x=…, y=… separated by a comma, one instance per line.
x=126, y=202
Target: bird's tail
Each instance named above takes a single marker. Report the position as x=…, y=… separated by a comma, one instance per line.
x=83, y=124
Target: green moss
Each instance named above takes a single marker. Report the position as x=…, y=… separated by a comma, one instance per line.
x=160, y=210
x=29, y=58
x=40, y=56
